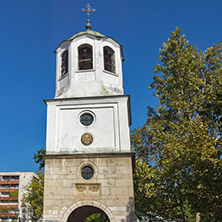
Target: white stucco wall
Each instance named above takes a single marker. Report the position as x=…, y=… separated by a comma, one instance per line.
x=110, y=129
x=93, y=82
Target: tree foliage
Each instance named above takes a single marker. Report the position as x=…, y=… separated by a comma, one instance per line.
x=178, y=149
x=98, y=217
x=39, y=159
x=13, y=194
x=34, y=194
x=35, y=189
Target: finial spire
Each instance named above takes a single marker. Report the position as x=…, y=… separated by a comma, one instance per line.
x=88, y=10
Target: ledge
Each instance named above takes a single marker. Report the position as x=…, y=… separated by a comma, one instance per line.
x=95, y=98
x=88, y=98
x=88, y=155
x=84, y=70
x=63, y=77
x=9, y=206
x=6, y=190
x=8, y=198
x=110, y=73
x=91, y=155
x=9, y=182
x=8, y=214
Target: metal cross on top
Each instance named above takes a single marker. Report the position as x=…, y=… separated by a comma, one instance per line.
x=88, y=10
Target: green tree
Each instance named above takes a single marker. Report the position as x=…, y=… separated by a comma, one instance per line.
x=34, y=195
x=97, y=218
x=13, y=194
x=35, y=189
x=178, y=149
x=38, y=158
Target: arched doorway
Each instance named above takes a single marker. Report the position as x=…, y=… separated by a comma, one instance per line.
x=84, y=213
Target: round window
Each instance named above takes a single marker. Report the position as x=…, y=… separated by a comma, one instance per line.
x=87, y=172
x=86, y=119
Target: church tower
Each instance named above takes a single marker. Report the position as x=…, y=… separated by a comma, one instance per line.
x=88, y=161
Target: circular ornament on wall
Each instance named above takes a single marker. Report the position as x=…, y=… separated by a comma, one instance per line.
x=86, y=139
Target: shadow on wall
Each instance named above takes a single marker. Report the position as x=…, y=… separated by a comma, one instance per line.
x=130, y=211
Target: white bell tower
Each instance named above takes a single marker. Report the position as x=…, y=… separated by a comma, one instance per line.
x=88, y=162
x=89, y=64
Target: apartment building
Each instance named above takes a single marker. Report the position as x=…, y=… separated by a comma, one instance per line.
x=12, y=189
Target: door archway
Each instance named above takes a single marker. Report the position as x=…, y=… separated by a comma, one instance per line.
x=79, y=208
x=82, y=213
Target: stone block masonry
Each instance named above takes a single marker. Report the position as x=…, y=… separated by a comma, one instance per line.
x=110, y=189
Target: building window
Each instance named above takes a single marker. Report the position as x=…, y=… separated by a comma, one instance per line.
x=87, y=172
x=64, y=63
x=109, y=59
x=5, y=194
x=85, y=57
x=14, y=202
x=6, y=178
x=86, y=119
x=5, y=202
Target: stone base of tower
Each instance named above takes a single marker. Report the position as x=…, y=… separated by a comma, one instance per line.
x=68, y=197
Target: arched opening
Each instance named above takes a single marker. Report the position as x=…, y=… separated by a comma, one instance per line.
x=64, y=63
x=85, y=57
x=88, y=214
x=109, y=59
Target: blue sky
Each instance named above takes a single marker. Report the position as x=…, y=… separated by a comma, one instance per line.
x=32, y=30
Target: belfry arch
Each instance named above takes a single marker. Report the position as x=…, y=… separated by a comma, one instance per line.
x=78, y=212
